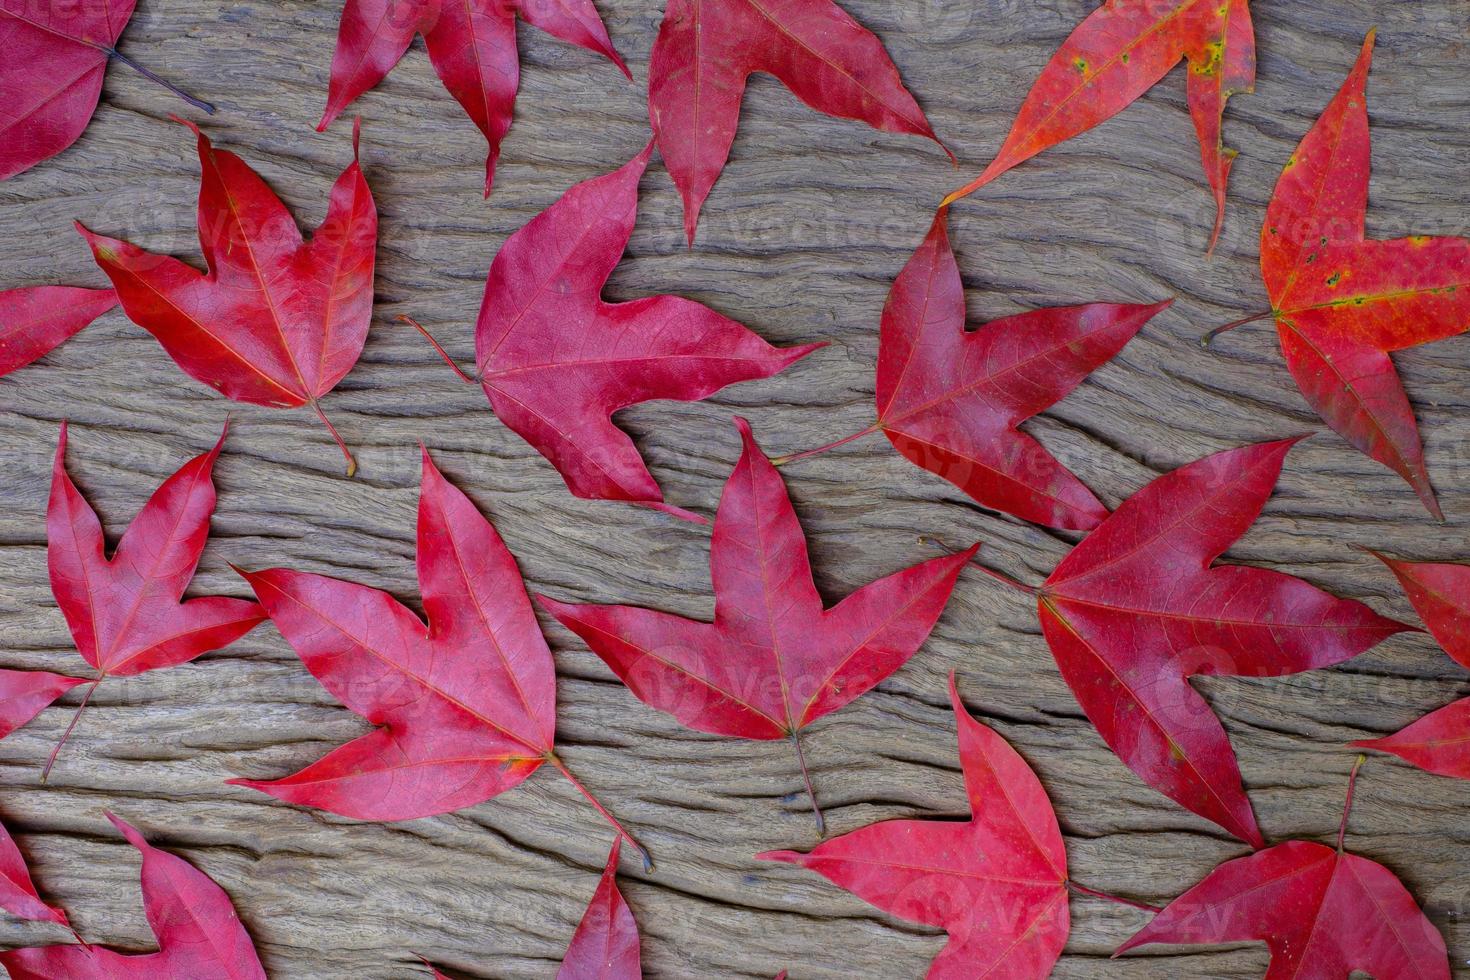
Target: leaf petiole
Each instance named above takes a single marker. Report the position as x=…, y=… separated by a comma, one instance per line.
x=807, y=776
x=808, y=454
x=1141, y=906
x=561, y=767
x=1209, y=338
x=351, y=462
x=1347, y=807
x=76, y=717
x=405, y=318
x=152, y=76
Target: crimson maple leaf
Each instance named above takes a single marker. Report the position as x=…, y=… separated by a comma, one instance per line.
x=996, y=883
x=707, y=49
x=1119, y=52
x=465, y=706
x=199, y=935
x=35, y=320
x=774, y=660
x=1343, y=302
x=950, y=399
x=1323, y=913
x=472, y=45
x=557, y=360
x=126, y=613
x=56, y=55
x=1137, y=609
x=1440, y=741
x=277, y=321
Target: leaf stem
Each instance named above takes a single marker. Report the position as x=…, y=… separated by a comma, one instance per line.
x=1141, y=906
x=405, y=318
x=152, y=76
x=351, y=462
x=86, y=698
x=1348, y=805
x=796, y=457
x=807, y=776
x=561, y=767
x=1209, y=338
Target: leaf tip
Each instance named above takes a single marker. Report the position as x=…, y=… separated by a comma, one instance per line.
x=127, y=830
x=782, y=857
x=1131, y=943
x=558, y=610
x=691, y=223
x=1373, y=553
x=805, y=350
x=259, y=785
x=995, y=169
x=678, y=513
x=1291, y=442
x=219, y=443
x=251, y=578
x=610, y=869
x=954, y=161
x=1431, y=504
x=188, y=124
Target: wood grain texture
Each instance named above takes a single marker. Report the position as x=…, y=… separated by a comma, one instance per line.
x=800, y=240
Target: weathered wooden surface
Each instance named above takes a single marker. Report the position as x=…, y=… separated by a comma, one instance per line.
x=802, y=237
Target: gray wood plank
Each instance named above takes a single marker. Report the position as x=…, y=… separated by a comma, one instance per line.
x=800, y=240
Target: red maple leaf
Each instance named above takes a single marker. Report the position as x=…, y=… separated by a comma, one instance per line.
x=996, y=883
x=199, y=935
x=774, y=660
x=707, y=49
x=1343, y=302
x=950, y=399
x=465, y=706
x=126, y=613
x=56, y=55
x=1323, y=913
x=1119, y=52
x=472, y=45
x=278, y=321
x=557, y=360
x=1440, y=741
x=35, y=320
x=1137, y=609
